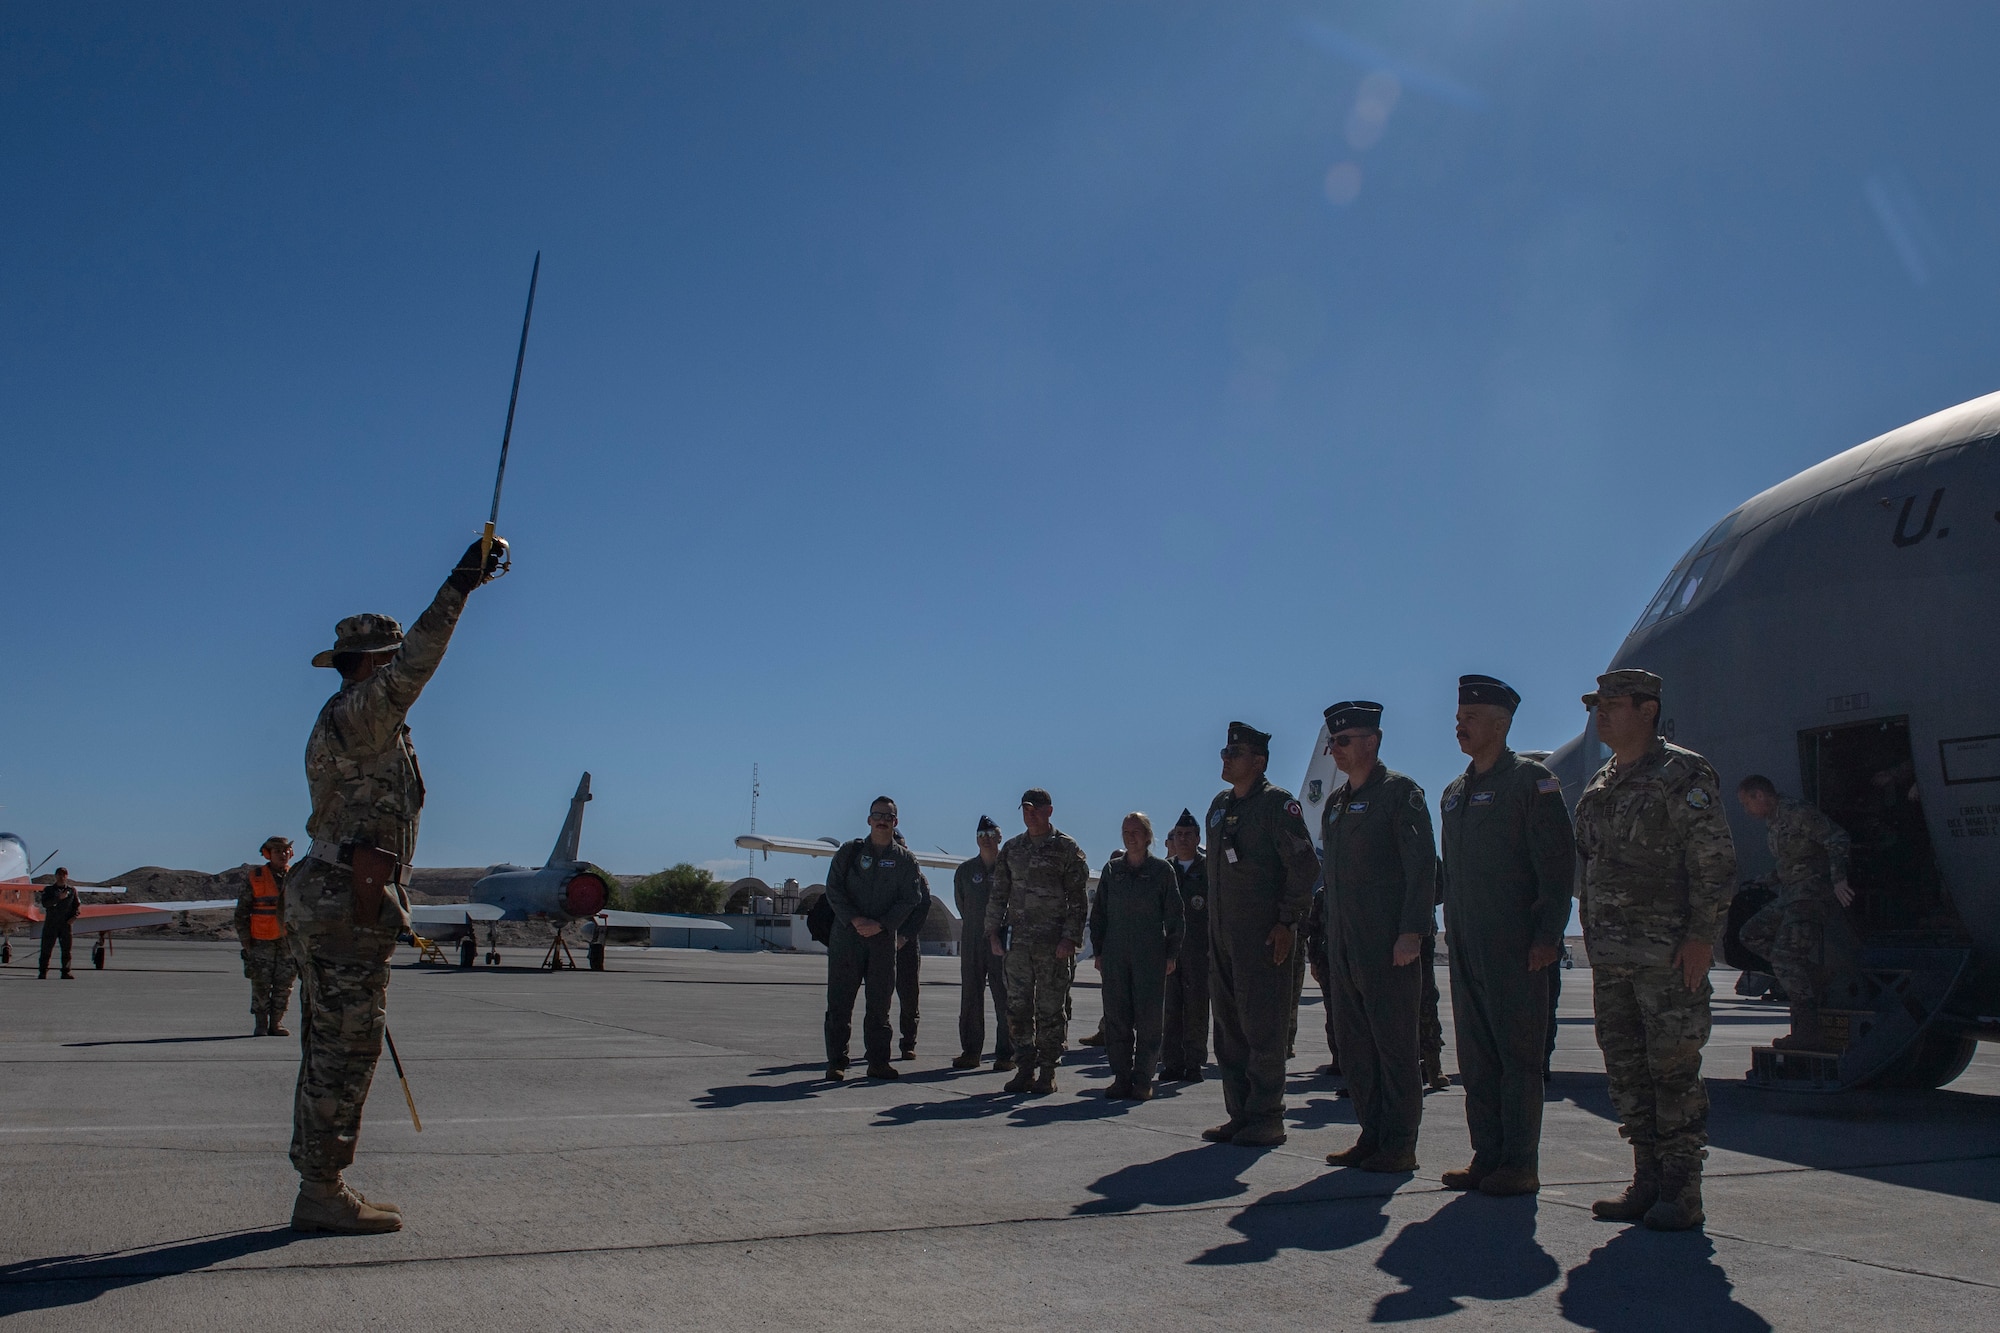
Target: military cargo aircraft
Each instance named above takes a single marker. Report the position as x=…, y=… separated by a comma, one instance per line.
x=1838, y=634
x=18, y=905
x=567, y=889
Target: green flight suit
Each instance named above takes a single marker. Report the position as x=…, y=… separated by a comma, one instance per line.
x=1261, y=868
x=1136, y=926
x=1509, y=859
x=1381, y=882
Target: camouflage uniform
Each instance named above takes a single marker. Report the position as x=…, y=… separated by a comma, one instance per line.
x=267, y=963
x=1039, y=897
x=1261, y=868
x=1804, y=933
x=1656, y=869
x=366, y=790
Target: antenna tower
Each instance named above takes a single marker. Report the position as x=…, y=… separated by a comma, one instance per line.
x=756, y=789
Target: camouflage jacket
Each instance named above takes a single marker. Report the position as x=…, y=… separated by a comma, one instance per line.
x=1656, y=865
x=360, y=766
x=1137, y=910
x=1261, y=863
x=879, y=884
x=1811, y=851
x=1039, y=889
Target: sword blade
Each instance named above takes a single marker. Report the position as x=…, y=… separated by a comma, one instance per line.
x=507, y=435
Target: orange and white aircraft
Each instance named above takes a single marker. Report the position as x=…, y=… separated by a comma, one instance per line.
x=19, y=908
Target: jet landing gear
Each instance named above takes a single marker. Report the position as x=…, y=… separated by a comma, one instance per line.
x=100, y=951
x=595, y=953
x=468, y=951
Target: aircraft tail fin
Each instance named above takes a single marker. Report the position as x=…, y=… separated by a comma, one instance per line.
x=571, y=837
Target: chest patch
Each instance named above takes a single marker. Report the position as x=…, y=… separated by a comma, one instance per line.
x=1482, y=798
x=979, y=879
x=1356, y=808
x=1215, y=817
x=1699, y=799
x=867, y=863
x=1197, y=902
x=887, y=862
x=1450, y=802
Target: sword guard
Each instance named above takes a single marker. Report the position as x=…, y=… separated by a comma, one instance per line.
x=496, y=569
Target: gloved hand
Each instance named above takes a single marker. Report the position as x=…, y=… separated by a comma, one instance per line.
x=470, y=572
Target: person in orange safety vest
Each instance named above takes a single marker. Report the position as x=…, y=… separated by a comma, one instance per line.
x=260, y=926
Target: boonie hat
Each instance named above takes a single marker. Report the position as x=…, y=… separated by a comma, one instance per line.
x=365, y=633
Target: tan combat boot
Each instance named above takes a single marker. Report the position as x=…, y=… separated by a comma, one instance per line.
x=332, y=1207
x=1641, y=1194
x=1679, y=1206
x=1045, y=1083
x=276, y=1027
x=1024, y=1078
x=263, y=1027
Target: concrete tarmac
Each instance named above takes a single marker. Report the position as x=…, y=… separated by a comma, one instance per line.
x=653, y=1146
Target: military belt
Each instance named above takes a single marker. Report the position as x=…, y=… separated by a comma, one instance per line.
x=342, y=854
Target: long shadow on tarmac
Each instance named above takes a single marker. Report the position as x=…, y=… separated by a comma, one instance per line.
x=73, y=1279
x=1641, y=1280
x=1199, y=1175
x=1473, y=1246
x=1283, y=1220
x=160, y=1041
x=1872, y=1131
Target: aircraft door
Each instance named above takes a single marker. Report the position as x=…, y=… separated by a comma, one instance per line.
x=1863, y=777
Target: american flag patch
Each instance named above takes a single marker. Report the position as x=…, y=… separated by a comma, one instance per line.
x=1547, y=786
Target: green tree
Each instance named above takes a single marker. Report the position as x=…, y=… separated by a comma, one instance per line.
x=678, y=888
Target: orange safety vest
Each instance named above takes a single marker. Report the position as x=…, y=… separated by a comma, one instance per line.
x=264, y=923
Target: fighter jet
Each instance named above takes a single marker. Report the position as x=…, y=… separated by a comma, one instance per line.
x=18, y=905
x=565, y=890
x=1837, y=634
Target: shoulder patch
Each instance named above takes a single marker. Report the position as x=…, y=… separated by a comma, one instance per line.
x=1699, y=799
x=1548, y=786
x=1292, y=809
x=1451, y=800
x=1416, y=798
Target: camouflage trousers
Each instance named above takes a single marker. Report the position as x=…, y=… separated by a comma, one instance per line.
x=1037, y=1001
x=344, y=1003
x=1805, y=943
x=271, y=968
x=1651, y=1028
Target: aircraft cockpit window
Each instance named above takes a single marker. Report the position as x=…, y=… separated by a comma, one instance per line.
x=1678, y=592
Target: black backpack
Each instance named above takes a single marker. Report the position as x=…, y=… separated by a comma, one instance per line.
x=819, y=920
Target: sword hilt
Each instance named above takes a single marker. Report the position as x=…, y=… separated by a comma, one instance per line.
x=487, y=541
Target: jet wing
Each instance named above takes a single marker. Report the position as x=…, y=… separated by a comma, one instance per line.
x=666, y=919
x=757, y=842
x=456, y=914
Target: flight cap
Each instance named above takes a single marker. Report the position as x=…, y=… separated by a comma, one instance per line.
x=1624, y=681
x=1187, y=820
x=986, y=825
x=1362, y=713
x=1242, y=733
x=365, y=633
x=1037, y=796
x=1488, y=690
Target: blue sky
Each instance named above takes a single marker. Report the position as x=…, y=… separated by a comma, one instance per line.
x=932, y=399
